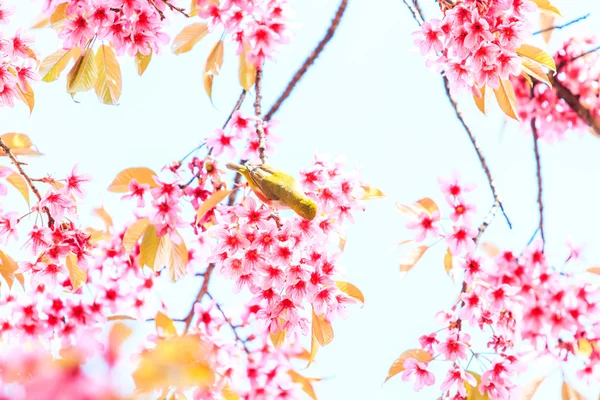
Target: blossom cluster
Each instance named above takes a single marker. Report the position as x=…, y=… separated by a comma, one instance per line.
x=17, y=62
x=138, y=26
x=523, y=305
x=475, y=43
x=579, y=73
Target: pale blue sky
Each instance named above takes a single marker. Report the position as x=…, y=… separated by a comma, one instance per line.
x=369, y=97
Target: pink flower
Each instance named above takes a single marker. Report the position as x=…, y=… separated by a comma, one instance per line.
x=138, y=191
x=461, y=209
x=479, y=31
x=452, y=187
x=458, y=376
x=220, y=142
x=74, y=182
x=5, y=12
x=428, y=341
x=430, y=37
x=455, y=347
x=419, y=370
x=425, y=225
x=461, y=240
x=77, y=31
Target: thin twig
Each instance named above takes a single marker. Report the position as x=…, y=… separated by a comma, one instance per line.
x=260, y=129
x=180, y=10
x=158, y=10
x=484, y=165
x=236, y=107
x=309, y=60
x=487, y=221
x=590, y=51
x=415, y=13
x=558, y=27
x=538, y=165
x=233, y=327
x=201, y=293
x=573, y=101
x=419, y=10
x=34, y=189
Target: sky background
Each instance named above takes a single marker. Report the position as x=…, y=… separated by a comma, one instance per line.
x=368, y=97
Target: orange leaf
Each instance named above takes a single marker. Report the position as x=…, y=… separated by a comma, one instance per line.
x=505, y=95
x=19, y=144
x=529, y=390
x=211, y=202
x=27, y=96
x=109, y=83
x=480, y=101
x=534, y=70
x=247, y=71
x=594, y=270
x=164, y=325
x=119, y=332
x=134, y=232
x=546, y=23
x=53, y=65
x=322, y=329
x=214, y=61
x=473, y=392
x=544, y=5
x=229, y=394
x=448, y=264
x=415, y=255
x=314, y=347
x=371, y=193
x=489, y=249
x=278, y=339
x=82, y=77
x=342, y=243
x=414, y=210
x=538, y=55
x=104, y=216
x=149, y=247
x=77, y=275
x=398, y=365
x=8, y=267
x=141, y=174
x=179, y=259
x=304, y=382
x=19, y=183
x=350, y=290
x=188, y=37
x=568, y=393
x=57, y=19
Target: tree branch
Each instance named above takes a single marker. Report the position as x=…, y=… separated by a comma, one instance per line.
x=34, y=189
x=573, y=101
x=536, y=151
x=233, y=327
x=482, y=160
x=180, y=10
x=558, y=27
x=309, y=60
x=260, y=129
x=415, y=11
x=201, y=293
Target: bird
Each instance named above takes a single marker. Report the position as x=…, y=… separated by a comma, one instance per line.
x=276, y=188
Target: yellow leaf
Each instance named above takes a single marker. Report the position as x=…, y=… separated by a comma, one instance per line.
x=57, y=19
x=96, y=235
x=142, y=61
x=119, y=317
x=527, y=78
x=164, y=253
x=8, y=268
x=546, y=6
x=278, y=339
x=415, y=255
x=304, y=382
x=423, y=205
x=211, y=202
x=489, y=249
x=104, y=216
x=350, y=290
x=82, y=77
x=108, y=86
x=371, y=193
x=19, y=183
x=19, y=144
x=547, y=21
x=314, y=347
x=42, y=22
x=149, y=247
x=247, y=70
x=529, y=390
x=27, y=96
x=119, y=333
x=141, y=174
x=164, y=325
x=480, y=101
x=53, y=65
x=537, y=55
x=473, y=392
x=228, y=393
x=342, y=243
x=214, y=61
x=188, y=37
x=179, y=260
x=398, y=365
x=583, y=348
x=177, y=361
x=134, y=232
x=507, y=100
x=77, y=276
x=322, y=329
x=568, y=393
x=448, y=261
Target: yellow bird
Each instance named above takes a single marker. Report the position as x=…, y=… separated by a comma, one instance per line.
x=276, y=189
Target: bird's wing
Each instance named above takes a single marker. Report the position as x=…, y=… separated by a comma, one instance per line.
x=260, y=179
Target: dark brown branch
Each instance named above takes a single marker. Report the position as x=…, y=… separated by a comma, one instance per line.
x=201, y=293
x=158, y=10
x=573, y=101
x=590, y=51
x=538, y=165
x=482, y=160
x=487, y=221
x=419, y=10
x=34, y=189
x=309, y=60
x=414, y=11
x=260, y=129
x=236, y=107
x=558, y=27
x=233, y=327
x=180, y=10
